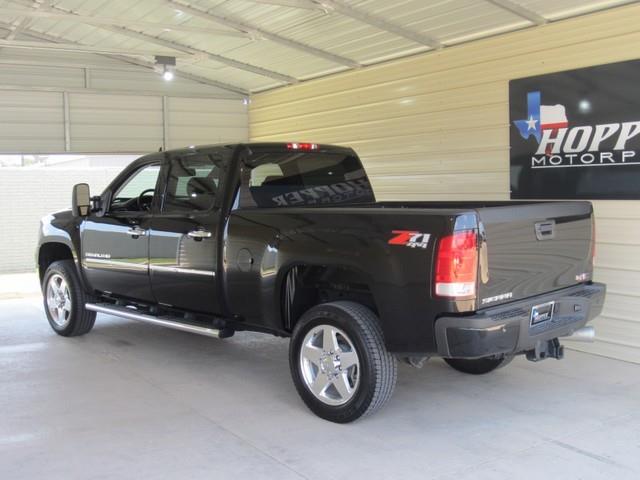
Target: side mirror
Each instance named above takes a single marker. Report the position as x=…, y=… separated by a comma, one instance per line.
x=81, y=200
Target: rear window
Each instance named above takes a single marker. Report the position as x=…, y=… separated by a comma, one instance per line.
x=304, y=179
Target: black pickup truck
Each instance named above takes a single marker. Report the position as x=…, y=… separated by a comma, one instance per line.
x=288, y=239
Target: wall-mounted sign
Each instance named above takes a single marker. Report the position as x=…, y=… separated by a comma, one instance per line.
x=576, y=134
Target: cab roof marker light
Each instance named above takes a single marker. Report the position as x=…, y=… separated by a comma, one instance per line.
x=302, y=146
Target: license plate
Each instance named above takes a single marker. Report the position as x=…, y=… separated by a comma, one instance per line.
x=542, y=313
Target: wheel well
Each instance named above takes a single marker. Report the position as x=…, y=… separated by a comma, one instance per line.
x=52, y=252
x=305, y=286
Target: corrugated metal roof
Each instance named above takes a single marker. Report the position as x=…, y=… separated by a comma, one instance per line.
x=261, y=44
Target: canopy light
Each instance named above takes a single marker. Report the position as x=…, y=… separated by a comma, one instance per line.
x=166, y=66
x=302, y=146
x=167, y=74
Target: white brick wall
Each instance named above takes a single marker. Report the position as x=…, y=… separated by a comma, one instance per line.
x=26, y=195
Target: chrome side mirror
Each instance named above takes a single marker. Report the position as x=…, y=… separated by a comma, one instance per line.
x=81, y=200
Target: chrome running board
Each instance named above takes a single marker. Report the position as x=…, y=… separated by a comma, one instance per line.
x=167, y=322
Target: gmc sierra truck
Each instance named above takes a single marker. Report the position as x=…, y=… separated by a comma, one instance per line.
x=288, y=239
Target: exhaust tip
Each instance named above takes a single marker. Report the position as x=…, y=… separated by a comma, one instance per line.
x=584, y=334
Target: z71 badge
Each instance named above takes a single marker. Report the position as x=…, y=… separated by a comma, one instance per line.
x=409, y=238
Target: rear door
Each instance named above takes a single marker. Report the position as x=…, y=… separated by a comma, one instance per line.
x=534, y=248
x=184, y=234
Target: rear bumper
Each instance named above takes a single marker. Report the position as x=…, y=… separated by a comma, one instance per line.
x=507, y=329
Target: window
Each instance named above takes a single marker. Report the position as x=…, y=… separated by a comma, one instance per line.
x=136, y=193
x=193, y=183
x=303, y=179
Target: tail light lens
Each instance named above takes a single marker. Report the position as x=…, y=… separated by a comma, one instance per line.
x=457, y=265
x=302, y=146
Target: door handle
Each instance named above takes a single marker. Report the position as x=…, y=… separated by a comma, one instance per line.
x=136, y=232
x=199, y=234
x=545, y=230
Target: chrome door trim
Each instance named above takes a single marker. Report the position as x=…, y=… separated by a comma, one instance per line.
x=91, y=262
x=188, y=271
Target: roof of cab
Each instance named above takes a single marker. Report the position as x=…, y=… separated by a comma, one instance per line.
x=263, y=146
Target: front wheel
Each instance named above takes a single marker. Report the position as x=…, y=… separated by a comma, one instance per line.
x=64, y=300
x=479, y=366
x=339, y=362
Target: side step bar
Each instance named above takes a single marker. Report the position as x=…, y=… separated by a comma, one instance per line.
x=168, y=322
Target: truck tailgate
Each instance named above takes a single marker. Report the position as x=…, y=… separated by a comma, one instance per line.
x=534, y=248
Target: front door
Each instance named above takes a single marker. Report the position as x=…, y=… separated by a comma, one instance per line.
x=115, y=246
x=184, y=234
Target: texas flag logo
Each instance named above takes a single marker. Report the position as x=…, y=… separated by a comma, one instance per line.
x=541, y=118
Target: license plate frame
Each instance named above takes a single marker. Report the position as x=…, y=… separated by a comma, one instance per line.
x=542, y=313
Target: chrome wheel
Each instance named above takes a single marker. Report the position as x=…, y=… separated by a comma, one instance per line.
x=329, y=365
x=58, y=300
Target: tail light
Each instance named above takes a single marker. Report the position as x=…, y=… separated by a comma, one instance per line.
x=302, y=146
x=457, y=265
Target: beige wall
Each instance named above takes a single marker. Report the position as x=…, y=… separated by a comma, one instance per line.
x=91, y=103
x=33, y=121
x=436, y=126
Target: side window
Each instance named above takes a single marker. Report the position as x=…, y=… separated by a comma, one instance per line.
x=136, y=193
x=193, y=183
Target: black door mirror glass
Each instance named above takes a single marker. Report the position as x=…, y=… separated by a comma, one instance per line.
x=81, y=200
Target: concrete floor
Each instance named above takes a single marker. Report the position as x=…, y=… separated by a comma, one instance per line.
x=137, y=401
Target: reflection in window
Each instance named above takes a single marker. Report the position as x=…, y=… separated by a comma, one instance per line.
x=193, y=183
x=303, y=179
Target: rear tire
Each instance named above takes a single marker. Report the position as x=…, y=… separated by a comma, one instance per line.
x=64, y=300
x=339, y=363
x=479, y=366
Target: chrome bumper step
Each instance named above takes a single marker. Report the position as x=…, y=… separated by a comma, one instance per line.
x=164, y=321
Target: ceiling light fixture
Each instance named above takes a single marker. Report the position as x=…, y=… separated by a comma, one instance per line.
x=167, y=74
x=165, y=66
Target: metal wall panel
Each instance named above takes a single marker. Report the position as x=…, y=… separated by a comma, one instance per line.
x=435, y=127
x=31, y=121
x=17, y=75
x=202, y=121
x=112, y=106
x=147, y=81
x=115, y=123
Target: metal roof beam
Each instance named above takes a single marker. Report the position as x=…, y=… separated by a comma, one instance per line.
x=23, y=22
x=140, y=63
x=212, y=56
x=75, y=47
x=303, y=4
x=187, y=76
x=380, y=23
x=520, y=11
x=91, y=20
x=259, y=33
x=187, y=49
